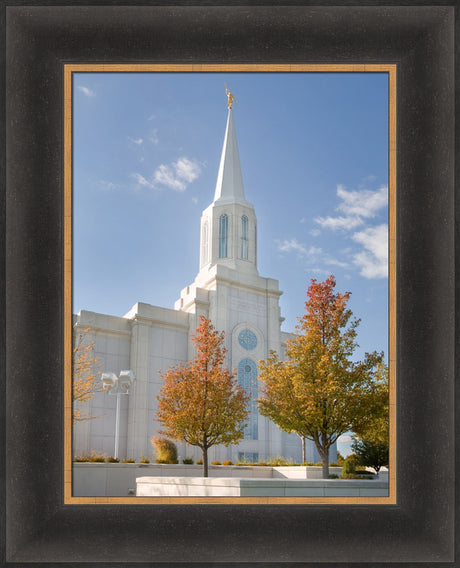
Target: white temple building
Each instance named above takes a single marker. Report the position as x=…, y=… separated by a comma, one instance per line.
x=148, y=339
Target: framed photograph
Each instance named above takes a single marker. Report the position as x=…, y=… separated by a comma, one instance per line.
x=322, y=123
x=51, y=53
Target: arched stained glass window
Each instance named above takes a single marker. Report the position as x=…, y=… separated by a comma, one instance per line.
x=223, y=236
x=204, y=243
x=247, y=378
x=244, y=237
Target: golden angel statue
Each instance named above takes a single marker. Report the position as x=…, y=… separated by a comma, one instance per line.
x=231, y=98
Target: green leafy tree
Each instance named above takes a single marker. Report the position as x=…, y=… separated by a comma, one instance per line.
x=371, y=453
x=201, y=402
x=374, y=425
x=371, y=440
x=318, y=392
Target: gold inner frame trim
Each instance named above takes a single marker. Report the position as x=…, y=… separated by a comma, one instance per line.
x=69, y=69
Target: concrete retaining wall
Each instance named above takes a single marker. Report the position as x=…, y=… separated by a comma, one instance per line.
x=119, y=479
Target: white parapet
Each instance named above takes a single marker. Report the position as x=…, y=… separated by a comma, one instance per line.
x=262, y=487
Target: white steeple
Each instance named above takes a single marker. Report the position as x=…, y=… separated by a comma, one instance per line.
x=229, y=224
x=229, y=186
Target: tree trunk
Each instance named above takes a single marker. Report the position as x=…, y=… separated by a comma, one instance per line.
x=324, y=455
x=304, y=451
x=325, y=458
x=205, y=462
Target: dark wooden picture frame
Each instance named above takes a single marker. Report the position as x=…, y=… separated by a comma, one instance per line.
x=39, y=527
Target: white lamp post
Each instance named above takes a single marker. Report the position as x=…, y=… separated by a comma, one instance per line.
x=117, y=386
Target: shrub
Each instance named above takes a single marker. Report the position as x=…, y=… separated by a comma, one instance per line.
x=349, y=468
x=279, y=461
x=113, y=460
x=165, y=449
x=93, y=456
x=307, y=463
x=129, y=460
x=187, y=461
x=263, y=463
x=81, y=459
x=318, y=464
x=227, y=462
x=199, y=462
x=144, y=459
x=333, y=464
x=333, y=476
x=216, y=463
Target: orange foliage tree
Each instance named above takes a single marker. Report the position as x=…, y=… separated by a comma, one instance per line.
x=201, y=402
x=318, y=392
x=84, y=377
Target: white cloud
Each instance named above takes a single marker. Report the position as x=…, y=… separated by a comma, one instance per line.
x=292, y=245
x=356, y=207
x=339, y=223
x=153, y=136
x=301, y=249
x=315, y=232
x=313, y=251
x=137, y=141
x=142, y=181
x=151, y=117
x=86, y=91
x=164, y=175
x=175, y=176
x=364, y=203
x=195, y=200
x=186, y=169
x=373, y=260
x=335, y=262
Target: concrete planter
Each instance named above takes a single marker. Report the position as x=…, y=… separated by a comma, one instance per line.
x=270, y=487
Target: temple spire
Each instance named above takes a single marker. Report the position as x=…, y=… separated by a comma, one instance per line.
x=229, y=186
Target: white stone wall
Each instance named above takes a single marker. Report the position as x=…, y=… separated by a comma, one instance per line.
x=169, y=347
x=147, y=341
x=112, y=338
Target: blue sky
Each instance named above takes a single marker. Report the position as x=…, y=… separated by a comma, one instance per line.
x=314, y=156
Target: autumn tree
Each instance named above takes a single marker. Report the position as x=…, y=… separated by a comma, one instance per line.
x=318, y=392
x=85, y=381
x=201, y=402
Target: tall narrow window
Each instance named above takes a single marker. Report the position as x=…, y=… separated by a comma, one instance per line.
x=244, y=237
x=204, y=243
x=223, y=236
x=247, y=378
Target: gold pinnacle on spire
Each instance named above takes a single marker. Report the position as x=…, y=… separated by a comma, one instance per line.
x=231, y=98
